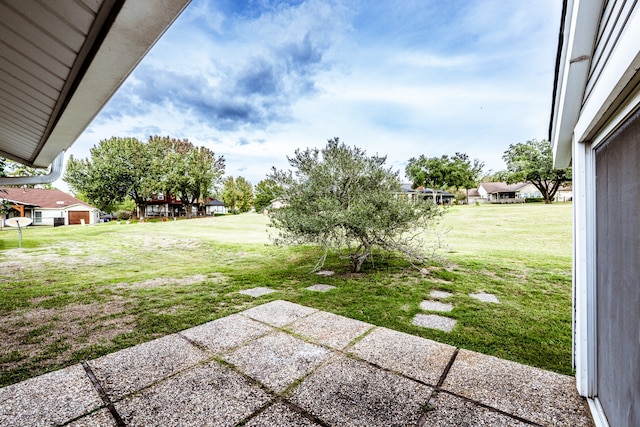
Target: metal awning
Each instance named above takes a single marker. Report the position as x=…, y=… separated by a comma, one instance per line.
x=62, y=60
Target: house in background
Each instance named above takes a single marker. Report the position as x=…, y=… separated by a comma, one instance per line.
x=42, y=206
x=215, y=207
x=501, y=192
x=441, y=197
x=595, y=128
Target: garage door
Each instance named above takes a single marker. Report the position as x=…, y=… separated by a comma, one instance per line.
x=75, y=217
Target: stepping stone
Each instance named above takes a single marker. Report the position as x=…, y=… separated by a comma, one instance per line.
x=326, y=273
x=257, y=292
x=429, y=305
x=440, y=294
x=320, y=288
x=485, y=297
x=433, y=321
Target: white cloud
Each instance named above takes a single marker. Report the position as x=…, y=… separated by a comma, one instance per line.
x=397, y=78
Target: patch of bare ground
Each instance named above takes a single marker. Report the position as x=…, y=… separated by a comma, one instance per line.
x=19, y=260
x=51, y=336
x=163, y=243
x=172, y=281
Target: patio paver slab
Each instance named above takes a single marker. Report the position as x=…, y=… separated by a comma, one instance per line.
x=347, y=392
x=330, y=329
x=207, y=395
x=136, y=367
x=257, y=292
x=49, y=399
x=541, y=396
x=277, y=360
x=101, y=418
x=226, y=333
x=450, y=410
x=278, y=313
x=415, y=357
x=433, y=321
x=279, y=415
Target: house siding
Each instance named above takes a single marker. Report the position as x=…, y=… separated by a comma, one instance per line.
x=615, y=17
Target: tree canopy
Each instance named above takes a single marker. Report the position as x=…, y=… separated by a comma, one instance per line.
x=121, y=168
x=532, y=161
x=266, y=191
x=191, y=173
x=441, y=173
x=237, y=194
x=347, y=202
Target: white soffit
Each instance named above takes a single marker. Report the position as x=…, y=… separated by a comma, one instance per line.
x=614, y=83
x=581, y=26
x=61, y=61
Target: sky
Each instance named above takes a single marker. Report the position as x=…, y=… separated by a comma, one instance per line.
x=254, y=80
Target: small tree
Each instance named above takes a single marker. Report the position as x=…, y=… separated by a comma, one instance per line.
x=346, y=202
x=266, y=191
x=237, y=194
x=532, y=161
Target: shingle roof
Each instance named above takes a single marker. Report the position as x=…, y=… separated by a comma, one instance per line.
x=502, y=187
x=40, y=197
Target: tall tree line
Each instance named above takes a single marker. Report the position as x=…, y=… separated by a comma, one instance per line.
x=127, y=168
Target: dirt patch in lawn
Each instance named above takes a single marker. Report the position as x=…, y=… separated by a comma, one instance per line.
x=19, y=260
x=50, y=336
x=172, y=281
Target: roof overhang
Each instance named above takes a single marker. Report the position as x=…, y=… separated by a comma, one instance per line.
x=61, y=62
x=578, y=31
x=615, y=94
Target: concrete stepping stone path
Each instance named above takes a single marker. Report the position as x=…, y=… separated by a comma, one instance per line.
x=440, y=294
x=325, y=273
x=319, y=287
x=257, y=292
x=485, y=297
x=430, y=305
x=433, y=321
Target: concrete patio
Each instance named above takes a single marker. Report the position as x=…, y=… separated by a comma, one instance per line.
x=283, y=364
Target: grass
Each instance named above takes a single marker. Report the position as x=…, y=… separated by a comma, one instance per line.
x=76, y=293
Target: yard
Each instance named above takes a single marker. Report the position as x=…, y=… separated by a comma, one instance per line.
x=76, y=293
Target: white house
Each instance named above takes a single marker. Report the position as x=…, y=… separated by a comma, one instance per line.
x=501, y=192
x=595, y=128
x=43, y=206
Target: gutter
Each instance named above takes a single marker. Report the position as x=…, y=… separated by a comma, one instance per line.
x=53, y=175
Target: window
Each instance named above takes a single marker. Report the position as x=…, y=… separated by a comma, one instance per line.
x=38, y=217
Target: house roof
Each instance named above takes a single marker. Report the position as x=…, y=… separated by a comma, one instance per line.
x=501, y=187
x=473, y=192
x=40, y=197
x=214, y=202
x=61, y=62
x=407, y=188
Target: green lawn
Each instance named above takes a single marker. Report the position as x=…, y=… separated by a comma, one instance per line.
x=76, y=293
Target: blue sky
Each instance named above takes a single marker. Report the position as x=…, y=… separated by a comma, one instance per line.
x=254, y=80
